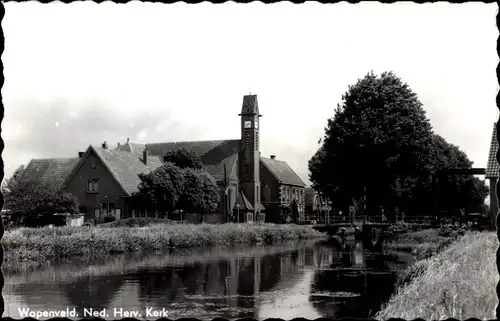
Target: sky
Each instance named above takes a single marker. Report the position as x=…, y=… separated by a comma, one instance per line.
x=83, y=73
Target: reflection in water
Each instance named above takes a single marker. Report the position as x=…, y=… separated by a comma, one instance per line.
x=308, y=280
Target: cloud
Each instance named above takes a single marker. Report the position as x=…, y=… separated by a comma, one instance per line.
x=61, y=128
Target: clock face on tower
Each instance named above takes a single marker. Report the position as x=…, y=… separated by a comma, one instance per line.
x=256, y=124
x=248, y=124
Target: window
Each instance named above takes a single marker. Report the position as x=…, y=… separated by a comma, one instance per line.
x=93, y=185
x=93, y=163
x=108, y=209
x=247, y=140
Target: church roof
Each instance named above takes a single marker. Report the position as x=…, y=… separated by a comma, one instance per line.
x=214, y=154
x=131, y=147
x=282, y=171
x=53, y=171
x=492, y=170
x=243, y=202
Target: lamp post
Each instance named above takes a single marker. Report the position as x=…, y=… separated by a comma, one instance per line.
x=238, y=208
x=181, y=215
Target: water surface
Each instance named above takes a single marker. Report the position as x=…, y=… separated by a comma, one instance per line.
x=309, y=280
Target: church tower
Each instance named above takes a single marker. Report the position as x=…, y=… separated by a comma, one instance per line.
x=249, y=154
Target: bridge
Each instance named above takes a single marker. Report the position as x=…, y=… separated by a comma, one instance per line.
x=371, y=232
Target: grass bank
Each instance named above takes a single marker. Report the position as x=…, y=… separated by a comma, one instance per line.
x=31, y=246
x=423, y=243
x=458, y=282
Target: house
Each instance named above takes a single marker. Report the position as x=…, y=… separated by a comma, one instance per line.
x=492, y=174
x=104, y=180
x=251, y=187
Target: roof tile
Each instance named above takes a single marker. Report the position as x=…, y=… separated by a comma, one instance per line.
x=214, y=154
x=53, y=171
x=126, y=166
x=283, y=172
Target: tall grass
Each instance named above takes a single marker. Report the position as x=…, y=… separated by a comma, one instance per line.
x=423, y=243
x=40, y=245
x=458, y=282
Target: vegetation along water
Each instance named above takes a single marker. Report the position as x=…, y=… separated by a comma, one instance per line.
x=36, y=246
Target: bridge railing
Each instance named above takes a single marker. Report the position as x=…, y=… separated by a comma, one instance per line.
x=344, y=219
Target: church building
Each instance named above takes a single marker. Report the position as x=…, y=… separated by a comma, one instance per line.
x=252, y=187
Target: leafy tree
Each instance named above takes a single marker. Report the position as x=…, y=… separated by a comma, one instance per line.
x=456, y=191
x=161, y=189
x=378, y=135
x=381, y=139
x=183, y=158
x=200, y=193
x=10, y=182
x=170, y=188
x=30, y=200
x=284, y=211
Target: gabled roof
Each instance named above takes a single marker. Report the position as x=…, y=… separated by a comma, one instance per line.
x=492, y=170
x=125, y=167
x=282, y=171
x=214, y=154
x=53, y=171
x=242, y=201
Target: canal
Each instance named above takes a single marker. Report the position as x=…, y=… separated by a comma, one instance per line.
x=311, y=280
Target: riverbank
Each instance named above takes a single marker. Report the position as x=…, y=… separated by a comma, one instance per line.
x=32, y=247
x=458, y=282
x=422, y=244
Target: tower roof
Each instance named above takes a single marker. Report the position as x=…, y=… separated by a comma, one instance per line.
x=250, y=105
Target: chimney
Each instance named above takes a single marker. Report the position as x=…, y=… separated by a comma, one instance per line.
x=145, y=155
x=118, y=144
x=80, y=154
x=273, y=156
x=128, y=140
x=105, y=145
